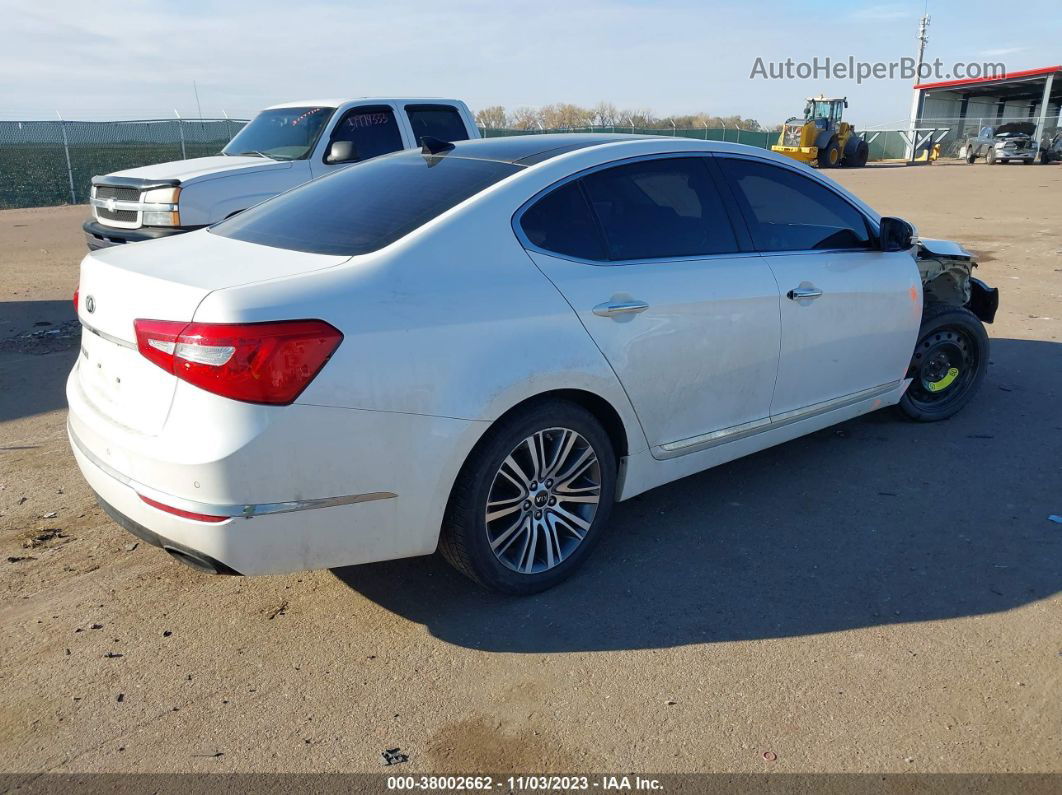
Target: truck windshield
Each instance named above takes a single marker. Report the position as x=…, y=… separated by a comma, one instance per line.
x=280, y=134
x=366, y=206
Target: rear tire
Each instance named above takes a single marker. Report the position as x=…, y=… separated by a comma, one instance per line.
x=859, y=157
x=948, y=364
x=971, y=155
x=545, y=522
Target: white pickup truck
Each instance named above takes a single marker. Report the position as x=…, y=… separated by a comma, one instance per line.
x=283, y=146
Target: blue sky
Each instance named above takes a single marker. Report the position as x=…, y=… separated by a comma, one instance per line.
x=109, y=59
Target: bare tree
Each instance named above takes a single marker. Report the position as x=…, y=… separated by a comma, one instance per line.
x=492, y=117
x=566, y=116
x=605, y=114
x=526, y=119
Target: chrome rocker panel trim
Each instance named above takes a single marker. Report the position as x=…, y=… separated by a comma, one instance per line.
x=724, y=435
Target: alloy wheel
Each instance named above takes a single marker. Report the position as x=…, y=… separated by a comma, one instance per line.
x=543, y=500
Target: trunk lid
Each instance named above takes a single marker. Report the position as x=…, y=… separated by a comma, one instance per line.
x=160, y=280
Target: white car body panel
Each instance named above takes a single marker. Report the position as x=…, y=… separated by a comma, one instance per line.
x=447, y=329
x=857, y=335
x=694, y=304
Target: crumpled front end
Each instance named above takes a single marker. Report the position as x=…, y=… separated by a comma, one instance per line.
x=946, y=269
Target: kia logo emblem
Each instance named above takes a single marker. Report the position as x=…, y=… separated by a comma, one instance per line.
x=90, y=304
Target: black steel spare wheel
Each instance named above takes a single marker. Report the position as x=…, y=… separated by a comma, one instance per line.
x=947, y=366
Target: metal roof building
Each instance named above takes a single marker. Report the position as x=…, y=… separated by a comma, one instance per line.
x=965, y=106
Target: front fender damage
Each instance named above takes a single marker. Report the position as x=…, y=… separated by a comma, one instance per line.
x=946, y=269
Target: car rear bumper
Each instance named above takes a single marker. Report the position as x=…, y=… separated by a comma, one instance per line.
x=274, y=543
x=295, y=487
x=98, y=236
x=191, y=557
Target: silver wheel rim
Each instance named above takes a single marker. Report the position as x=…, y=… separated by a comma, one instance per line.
x=543, y=500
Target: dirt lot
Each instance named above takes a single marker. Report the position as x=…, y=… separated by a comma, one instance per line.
x=880, y=596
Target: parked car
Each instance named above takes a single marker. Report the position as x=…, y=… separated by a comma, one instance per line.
x=1051, y=148
x=283, y=146
x=483, y=345
x=1011, y=141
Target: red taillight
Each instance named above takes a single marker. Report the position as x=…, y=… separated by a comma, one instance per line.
x=77, y=291
x=254, y=362
x=199, y=517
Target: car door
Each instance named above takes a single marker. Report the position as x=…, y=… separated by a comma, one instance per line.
x=646, y=254
x=849, y=311
x=373, y=130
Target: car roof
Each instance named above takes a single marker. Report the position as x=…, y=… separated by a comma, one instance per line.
x=526, y=150
x=335, y=102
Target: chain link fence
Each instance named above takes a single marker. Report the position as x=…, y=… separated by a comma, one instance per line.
x=883, y=144
x=44, y=163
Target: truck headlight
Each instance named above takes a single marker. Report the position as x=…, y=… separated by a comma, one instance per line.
x=160, y=207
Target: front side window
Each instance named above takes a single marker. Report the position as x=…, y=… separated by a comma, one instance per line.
x=373, y=132
x=366, y=206
x=437, y=121
x=787, y=211
x=281, y=133
x=659, y=208
x=561, y=222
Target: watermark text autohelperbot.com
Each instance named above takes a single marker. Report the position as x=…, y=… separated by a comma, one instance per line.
x=851, y=69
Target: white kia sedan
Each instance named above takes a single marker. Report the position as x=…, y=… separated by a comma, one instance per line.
x=481, y=346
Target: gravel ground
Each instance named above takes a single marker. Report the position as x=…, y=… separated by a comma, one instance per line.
x=879, y=596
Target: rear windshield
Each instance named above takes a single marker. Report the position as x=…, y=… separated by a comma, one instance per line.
x=366, y=206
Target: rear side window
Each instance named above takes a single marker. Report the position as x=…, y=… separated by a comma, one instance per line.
x=790, y=212
x=562, y=222
x=373, y=131
x=366, y=206
x=439, y=121
x=665, y=207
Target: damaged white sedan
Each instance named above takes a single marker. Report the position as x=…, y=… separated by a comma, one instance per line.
x=481, y=346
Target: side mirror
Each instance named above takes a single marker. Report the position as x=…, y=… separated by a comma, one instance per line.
x=896, y=234
x=341, y=152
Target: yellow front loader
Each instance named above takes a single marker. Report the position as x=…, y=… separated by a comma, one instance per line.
x=821, y=138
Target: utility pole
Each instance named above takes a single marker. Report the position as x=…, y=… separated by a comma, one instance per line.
x=916, y=100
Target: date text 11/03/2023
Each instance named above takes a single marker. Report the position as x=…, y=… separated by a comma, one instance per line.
x=531, y=783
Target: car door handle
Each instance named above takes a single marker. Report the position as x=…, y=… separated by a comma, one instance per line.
x=613, y=308
x=803, y=292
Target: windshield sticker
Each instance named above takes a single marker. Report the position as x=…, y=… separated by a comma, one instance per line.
x=304, y=116
x=368, y=119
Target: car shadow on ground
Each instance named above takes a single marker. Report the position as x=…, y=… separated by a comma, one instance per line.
x=872, y=522
x=38, y=346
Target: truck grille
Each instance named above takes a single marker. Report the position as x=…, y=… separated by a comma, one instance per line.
x=116, y=192
x=124, y=216
x=120, y=217
x=792, y=135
